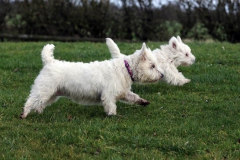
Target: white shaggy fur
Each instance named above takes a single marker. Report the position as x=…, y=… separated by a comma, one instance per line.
x=169, y=57
x=95, y=83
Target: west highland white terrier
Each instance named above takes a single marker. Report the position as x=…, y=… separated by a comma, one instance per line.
x=169, y=57
x=95, y=83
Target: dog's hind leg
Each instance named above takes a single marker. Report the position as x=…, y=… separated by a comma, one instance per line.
x=39, y=98
x=47, y=103
x=37, y=104
x=32, y=103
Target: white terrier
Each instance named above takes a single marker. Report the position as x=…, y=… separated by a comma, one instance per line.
x=169, y=57
x=95, y=83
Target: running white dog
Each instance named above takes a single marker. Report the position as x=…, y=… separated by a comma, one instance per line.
x=169, y=57
x=95, y=83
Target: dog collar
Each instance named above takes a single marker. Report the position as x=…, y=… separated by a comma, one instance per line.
x=129, y=70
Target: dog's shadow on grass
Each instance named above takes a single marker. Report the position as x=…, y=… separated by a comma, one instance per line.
x=61, y=113
x=67, y=111
x=160, y=87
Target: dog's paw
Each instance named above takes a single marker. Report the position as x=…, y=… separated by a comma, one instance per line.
x=143, y=102
x=187, y=81
x=182, y=82
x=22, y=116
x=111, y=113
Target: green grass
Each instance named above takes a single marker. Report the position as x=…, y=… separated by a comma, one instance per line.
x=200, y=120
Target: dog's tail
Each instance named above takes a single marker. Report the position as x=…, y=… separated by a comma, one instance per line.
x=113, y=48
x=47, y=54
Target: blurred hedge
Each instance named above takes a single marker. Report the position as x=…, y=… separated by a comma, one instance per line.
x=124, y=19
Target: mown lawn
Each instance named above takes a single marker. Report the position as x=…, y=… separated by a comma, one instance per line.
x=200, y=120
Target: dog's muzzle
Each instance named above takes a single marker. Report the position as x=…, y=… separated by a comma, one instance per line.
x=194, y=60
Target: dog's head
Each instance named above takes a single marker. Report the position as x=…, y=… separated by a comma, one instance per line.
x=180, y=52
x=146, y=68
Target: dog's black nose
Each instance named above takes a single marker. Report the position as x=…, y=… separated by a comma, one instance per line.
x=162, y=75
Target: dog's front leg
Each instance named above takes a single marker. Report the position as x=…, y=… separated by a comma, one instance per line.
x=133, y=98
x=110, y=109
x=109, y=105
x=174, y=77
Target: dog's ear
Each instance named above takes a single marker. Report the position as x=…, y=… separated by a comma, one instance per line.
x=144, y=52
x=173, y=42
x=179, y=39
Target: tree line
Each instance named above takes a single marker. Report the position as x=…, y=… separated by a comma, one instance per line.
x=123, y=19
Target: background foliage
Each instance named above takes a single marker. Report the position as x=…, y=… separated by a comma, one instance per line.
x=123, y=19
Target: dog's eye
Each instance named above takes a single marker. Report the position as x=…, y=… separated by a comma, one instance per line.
x=153, y=66
x=186, y=54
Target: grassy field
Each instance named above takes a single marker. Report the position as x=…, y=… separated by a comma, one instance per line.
x=200, y=120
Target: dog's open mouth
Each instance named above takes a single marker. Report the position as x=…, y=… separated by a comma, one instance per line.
x=186, y=64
